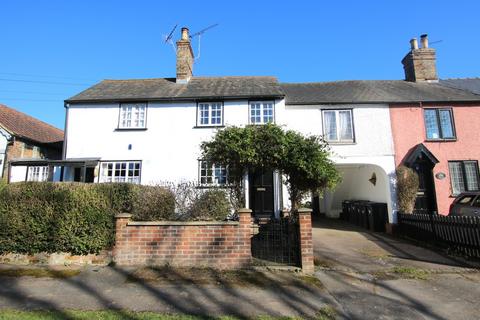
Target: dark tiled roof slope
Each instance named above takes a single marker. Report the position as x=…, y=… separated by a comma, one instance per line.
x=167, y=89
x=372, y=91
x=25, y=126
x=468, y=84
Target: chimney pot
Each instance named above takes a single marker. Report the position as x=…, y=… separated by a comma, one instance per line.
x=424, y=39
x=414, y=44
x=185, y=35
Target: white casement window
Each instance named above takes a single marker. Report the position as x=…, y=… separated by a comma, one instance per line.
x=464, y=176
x=133, y=115
x=210, y=114
x=262, y=112
x=212, y=174
x=37, y=173
x=338, y=126
x=116, y=171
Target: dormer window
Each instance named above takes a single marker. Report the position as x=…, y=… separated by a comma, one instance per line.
x=261, y=112
x=210, y=114
x=133, y=116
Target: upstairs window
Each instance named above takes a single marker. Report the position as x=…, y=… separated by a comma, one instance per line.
x=212, y=174
x=261, y=112
x=210, y=114
x=133, y=116
x=338, y=126
x=463, y=176
x=128, y=171
x=37, y=173
x=439, y=124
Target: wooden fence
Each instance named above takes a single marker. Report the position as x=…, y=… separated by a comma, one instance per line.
x=461, y=234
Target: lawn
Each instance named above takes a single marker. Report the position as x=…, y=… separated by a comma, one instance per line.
x=326, y=313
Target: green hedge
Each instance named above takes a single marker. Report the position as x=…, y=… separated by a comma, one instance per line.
x=72, y=217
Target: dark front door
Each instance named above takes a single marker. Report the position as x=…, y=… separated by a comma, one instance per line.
x=261, y=193
x=425, y=202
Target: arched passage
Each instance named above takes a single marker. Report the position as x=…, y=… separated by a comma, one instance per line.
x=359, y=182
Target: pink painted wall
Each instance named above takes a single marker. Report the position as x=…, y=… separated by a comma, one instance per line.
x=408, y=128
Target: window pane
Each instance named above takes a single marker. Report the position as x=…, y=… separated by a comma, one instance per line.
x=267, y=112
x=255, y=113
x=330, y=129
x=456, y=177
x=446, y=124
x=471, y=172
x=216, y=113
x=346, y=132
x=431, y=124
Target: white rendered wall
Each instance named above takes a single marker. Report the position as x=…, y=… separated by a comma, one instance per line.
x=170, y=147
x=18, y=173
x=371, y=152
x=3, y=148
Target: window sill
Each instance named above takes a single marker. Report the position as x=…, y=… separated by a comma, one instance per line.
x=216, y=186
x=336, y=143
x=130, y=129
x=441, y=140
x=208, y=127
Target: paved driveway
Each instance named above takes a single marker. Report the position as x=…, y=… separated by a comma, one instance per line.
x=376, y=276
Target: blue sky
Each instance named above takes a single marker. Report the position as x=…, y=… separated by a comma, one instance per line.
x=51, y=50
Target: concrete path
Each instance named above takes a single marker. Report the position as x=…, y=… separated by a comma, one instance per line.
x=263, y=293
x=376, y=276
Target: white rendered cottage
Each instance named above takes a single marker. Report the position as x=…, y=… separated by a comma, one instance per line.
x=149, y=131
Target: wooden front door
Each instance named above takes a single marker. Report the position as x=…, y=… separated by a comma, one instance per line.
x=425, y=203
x=261, y=193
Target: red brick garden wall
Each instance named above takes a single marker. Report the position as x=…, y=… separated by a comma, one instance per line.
x=223, y=245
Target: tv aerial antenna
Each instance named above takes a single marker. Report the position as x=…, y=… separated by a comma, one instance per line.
x=199, y=35
x=168, y=38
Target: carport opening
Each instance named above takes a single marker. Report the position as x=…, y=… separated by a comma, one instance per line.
x=359, y=182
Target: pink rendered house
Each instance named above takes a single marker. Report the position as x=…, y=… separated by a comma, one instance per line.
x=439, y=137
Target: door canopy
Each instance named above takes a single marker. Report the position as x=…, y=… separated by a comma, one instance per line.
x=419, y=152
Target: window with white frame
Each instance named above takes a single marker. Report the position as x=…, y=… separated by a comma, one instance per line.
x=132, y=115
x=212, y=174
x=338, y=126
x=37, y=173
x=261, y=112
x=463, y=176
x=119, y=171
x=210, y=114
x=439, y=124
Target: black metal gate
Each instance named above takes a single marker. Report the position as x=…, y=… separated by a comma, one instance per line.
x=277, y=240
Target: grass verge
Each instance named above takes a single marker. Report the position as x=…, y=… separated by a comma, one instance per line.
x=38, y=273
x=326, y=313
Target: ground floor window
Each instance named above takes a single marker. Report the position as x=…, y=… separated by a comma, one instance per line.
x=37, y=173
x=120, y=171
x=463, y=176
x=212, y=174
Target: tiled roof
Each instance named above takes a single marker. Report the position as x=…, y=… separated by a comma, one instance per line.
x=21, y=125
x=168, y=89
x=372, y=91
x=468, y=84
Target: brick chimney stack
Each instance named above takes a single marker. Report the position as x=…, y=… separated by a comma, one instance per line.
x=184, y=58
x=420, y=63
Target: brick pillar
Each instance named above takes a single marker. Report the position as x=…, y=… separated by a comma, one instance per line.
x=245, y=233
x=306, y=244
x=121, y=221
